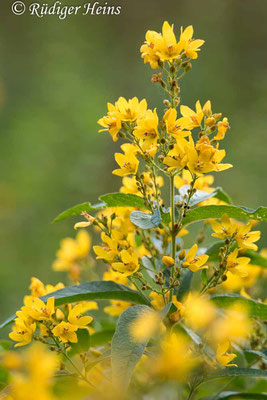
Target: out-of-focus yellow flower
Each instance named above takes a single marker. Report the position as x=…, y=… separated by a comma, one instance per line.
x=76, y=316
x=108, y=250
x=38, y=310
x=245, y=239
x=224, y=229
x=35, y=383
x=66, y=332
x=237, y=265
x=194, y=262
x=177, y=157
x=72, y=250
x=37, y=287
x=168, y=261
x=128, y=162
x=147, y=128
x=22, y=332
x=172, y=124
x=175, y=360
x=115, y=276
x=12, y=360
x=191, y=119
x=53, y=288
x=157, y=301
x=235, y=282
x=145, y=326
x=233, y=326
x=223, y=357
x=129, y=264
x=116, y=307
x=198, y=311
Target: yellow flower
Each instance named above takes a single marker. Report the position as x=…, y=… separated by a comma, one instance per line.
x=222, y=128
x=175, y=360
x=177, y=157
x=233, y=325
x=245, y=239
x=128, y=162
x=190, y=46
x=129, y=185
x=168, y=48
x=157, y=301
x=202, y=183
x=168, y=261
x=172, y=126
x=237, y=265
x=223, y=357
x=132, y=109
x=145, y=326
x=235, y=282
x=194, y=262
x=149, y=48
x=72, y=250
x=22, y=332
x=52, y=288
x=76, y=316
x=111, y=122
x=83, y=224
x=129, y=264
x=116, y=307
x=66, y=332
x=109, y=250
x=224, y=229
x=115, y=276
x=38, y=310
x=37, y=287
x=11, y=360
x=198, y=311
x=147, y=129
x=191, y=119
x=204, y=158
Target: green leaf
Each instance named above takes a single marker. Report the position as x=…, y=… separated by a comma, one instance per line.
x=123, y=200
x=212, y=211
x=241, y=396
x=236, y=396
x=77, y=210
x=204, y=277
x=254, y=308
x=254, y=354
x=102, y=337
x=145, y=220
x=125, y=353
x=83, y=344
x=185, y=283
x=95, y=290
x=201, y=195
x=234, y=371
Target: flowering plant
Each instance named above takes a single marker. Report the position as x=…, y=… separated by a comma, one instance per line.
x=175, y=316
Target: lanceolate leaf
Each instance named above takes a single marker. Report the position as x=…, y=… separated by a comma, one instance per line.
x=77, y=210
x=213, y=211
x=234, y=371
x=123, y=200
x=236, y=396
x=125, y=353
x=92, y=291
x=200, y=195
x=145, y=220
x=254, y=308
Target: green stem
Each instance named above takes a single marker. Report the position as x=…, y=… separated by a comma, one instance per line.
x=173, y=231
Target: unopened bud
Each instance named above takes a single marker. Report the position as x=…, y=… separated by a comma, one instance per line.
x=181, y=255
x=168, y=261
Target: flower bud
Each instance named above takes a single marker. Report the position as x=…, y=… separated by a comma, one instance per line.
x=181, y=255
x=168, y=261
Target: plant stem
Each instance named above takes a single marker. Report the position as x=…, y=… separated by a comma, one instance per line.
x=173, y=231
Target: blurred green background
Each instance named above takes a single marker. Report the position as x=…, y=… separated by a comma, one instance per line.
x=55, y=80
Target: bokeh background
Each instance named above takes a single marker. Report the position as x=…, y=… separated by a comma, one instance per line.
x=55, y=80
